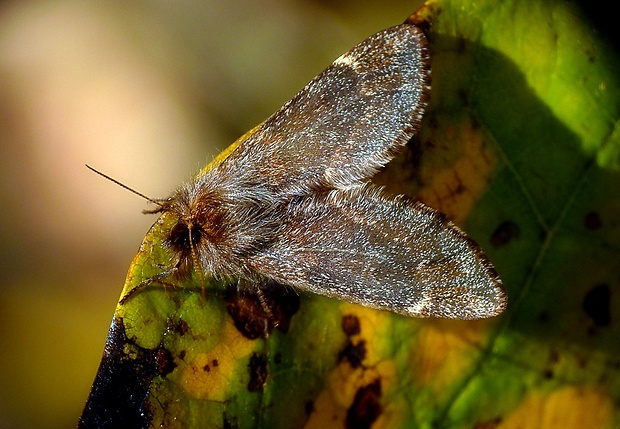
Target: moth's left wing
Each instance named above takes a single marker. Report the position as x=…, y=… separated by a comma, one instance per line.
x=390, y=254
x=346, y=123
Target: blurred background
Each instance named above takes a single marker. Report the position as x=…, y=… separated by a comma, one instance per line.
x=148, y=92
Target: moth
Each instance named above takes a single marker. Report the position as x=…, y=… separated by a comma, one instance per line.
x=292, y=203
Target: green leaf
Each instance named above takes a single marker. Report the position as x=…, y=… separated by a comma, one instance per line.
x=520, y=146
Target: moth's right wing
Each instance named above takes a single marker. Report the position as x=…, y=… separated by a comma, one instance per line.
x=346, y=123
x=390, y=254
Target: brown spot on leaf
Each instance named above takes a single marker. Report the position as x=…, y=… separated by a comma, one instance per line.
x=256, y=314
x=215, y=363
x=554, y=356
x=181, y=327
x=596, y=304
x=230, y=423
x=258, y=372
x=164, y=361
x=592, y=221
x=488, y=424
x=351, y=325
x=353, y=353
x=366, y=407
x=505, y=233
x=463, y=95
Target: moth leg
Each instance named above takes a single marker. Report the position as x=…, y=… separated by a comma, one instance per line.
x=262, y=299
x=159, y=278
x=258, y=307
x=279, y=302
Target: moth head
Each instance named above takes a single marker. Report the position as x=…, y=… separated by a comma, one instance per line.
x=202, y=226
x=200, y=222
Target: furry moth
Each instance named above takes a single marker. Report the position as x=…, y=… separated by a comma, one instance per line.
x=292, y=203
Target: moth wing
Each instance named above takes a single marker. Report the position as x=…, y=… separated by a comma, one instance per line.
x=391, y=254
x=347, y=122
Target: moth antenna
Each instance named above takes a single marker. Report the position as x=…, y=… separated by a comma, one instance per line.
x=149, y=199
x=196, y=264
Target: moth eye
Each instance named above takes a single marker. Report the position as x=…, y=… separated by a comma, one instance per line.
x=179, y=240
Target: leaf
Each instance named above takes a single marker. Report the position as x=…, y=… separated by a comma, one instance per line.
x=520, y=146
